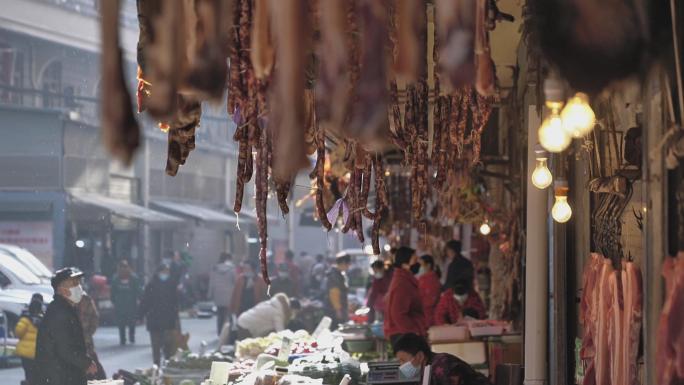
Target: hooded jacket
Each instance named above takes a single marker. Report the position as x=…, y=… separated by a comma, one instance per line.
x=267, y=316
x=27, y=332
x=222, y=283
x=61, y=354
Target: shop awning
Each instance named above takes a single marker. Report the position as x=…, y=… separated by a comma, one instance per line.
x=200, y=213
x=125, y=209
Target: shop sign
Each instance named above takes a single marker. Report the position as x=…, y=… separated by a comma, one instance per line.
x=34, y=236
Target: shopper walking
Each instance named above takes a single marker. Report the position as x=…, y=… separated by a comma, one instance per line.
x=159, y=305
x=27, y=332
x=61, y=352
x=90, y=320
x=429, y=287
x=404, y=305
x=126, y=290
x=460, y=269
x=221, y=286
x=336, y=289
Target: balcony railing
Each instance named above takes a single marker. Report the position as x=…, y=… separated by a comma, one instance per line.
x=90, y=8
x=214, y=129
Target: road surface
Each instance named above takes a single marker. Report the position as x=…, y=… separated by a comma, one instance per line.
x=114, y=357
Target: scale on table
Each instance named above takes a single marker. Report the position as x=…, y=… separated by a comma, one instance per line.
x=387, y=373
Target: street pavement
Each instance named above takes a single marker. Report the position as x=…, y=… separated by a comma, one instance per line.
x=130, y=357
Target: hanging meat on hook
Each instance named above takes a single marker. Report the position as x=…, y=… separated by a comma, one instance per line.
x=455, y=26
x=319, y=174
x=485, y=78
x=261, y=186
x=208, y=69
x=292, y=38
x=369, y=112
x=160, y=41
x=181, y=135
x=333, y=84
x=262, y=51
x=120, y=130
x=410, y=25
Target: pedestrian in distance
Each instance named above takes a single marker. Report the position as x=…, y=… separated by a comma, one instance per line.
x=61, y=352
x=159, y=306
x=221, y=286
x=337, y=288
x=27, y=332
x=126, y=291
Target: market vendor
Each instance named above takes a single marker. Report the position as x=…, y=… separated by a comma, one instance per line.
x=268, y=316
x=337, y=288
x=457, y=302
x=378, y=290
x=414, y=354
x=404, y=306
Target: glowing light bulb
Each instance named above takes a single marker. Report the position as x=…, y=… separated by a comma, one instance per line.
x=552, y=136
x=561, y=210
x=485, y=229
x=541, y=176
x=578, y=117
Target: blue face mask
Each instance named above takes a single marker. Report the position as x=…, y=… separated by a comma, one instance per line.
x=408, y=370
x=163, y=277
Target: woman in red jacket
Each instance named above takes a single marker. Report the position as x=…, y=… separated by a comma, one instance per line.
x=458, y=302
x=429, y=287
x=404, y=312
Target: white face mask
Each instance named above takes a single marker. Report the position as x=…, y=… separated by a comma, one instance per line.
x=76, y=294
x=379, y=274
x=408, y=370
x=461, y=298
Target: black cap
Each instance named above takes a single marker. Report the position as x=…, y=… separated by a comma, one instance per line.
x=64, y=274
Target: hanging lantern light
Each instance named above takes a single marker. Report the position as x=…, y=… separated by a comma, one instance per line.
x=485, y=229
x=552, y=136
x=578, y=117
x=561, y=210
x=541, y=176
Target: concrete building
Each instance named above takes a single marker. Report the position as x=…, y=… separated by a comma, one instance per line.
x=61, y=196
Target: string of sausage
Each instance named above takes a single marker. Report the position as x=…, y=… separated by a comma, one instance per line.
x=319, y=173
x=261, y=184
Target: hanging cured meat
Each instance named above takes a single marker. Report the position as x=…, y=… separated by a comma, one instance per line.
x=410, y=26
x=484, y=78
x=120, y=131
x=455, y=26
x=369, y=116
x=181, y=135
x=262, y=52
x=291, y=34
x=669, y=350
x=208, y=69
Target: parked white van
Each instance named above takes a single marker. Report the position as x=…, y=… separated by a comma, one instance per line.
x=14, y=275
x=29, y=260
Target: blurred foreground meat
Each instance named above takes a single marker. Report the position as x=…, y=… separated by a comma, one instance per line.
x=455, y=26
x=670, y=343
x=120, y=131
x=291, y=33
x=182, y=132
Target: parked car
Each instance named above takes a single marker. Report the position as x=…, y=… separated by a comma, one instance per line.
x=29, y=260
x=14, y=275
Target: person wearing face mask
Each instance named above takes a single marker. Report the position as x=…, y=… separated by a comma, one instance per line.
x=404, y=306
x=414, y=354
x=125, y=295
x=283, y=282
x=457, y=302
x=250, y=289
x=159, y=305
x=378, y=290
x=429, y=287
x=221, y=286
x=61, y=353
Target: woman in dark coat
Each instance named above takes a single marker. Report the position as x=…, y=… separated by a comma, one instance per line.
x=125, y=295
x=160, y=306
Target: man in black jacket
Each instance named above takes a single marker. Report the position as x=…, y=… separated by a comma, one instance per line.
x=460, y=269
x=337, y=288
x=160, y=306
x=61, y=354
